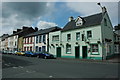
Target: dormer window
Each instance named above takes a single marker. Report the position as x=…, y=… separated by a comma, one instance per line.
x=79, y=21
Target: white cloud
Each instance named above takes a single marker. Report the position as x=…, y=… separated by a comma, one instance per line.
x=44, y=24
x=89, y=8
x=12, y=23
x=14, y=16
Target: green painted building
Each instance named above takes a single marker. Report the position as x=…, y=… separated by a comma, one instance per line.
x=88, y=37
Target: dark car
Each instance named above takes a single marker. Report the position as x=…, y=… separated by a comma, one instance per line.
x=30, y=54
x=45, y=55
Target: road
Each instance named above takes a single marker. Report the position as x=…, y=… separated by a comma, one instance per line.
x=31, y=67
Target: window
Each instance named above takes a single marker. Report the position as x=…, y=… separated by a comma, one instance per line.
x=31, y=40
x=44, y=38
x=78, y=36
x=40, y=38
x=89, y=34
x=43, y=48
x=68, y=37
x=40, y=49
x=28, y=40
x=55, y=38
x=105, y=22
x=36, y=39
x=68, y=49
x=36, y=48
x=82, y=37
x=30, y=48
x=27, y=48
x=94, y=47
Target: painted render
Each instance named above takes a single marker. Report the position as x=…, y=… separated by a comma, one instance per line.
x=99, y=34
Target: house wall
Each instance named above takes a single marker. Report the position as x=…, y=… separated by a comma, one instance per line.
x=41, y=44
x=52, y=49
x=107, y=33
x=96, y=36
x=29, y=44
x=20, y=44
x=12, y=43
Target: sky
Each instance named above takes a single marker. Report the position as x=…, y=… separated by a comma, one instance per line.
x=49, y=14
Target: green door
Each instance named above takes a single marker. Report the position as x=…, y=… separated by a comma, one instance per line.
x=58, y=51
x=77, y=51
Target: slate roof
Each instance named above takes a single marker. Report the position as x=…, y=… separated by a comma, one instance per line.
x=91, y=20
x=44, y=31
x=24, y=32
x=4, y=36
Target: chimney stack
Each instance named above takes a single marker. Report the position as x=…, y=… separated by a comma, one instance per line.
x=18, y=30
x=14, y=32
x=71, y=18
x=36, y=29
x=24, y=27
x=104, y=10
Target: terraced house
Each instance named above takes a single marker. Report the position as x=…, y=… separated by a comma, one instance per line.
x=88, y=37
x=38, y=41
x=117, y=39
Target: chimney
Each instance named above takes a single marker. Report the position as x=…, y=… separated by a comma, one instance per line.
x=70, y=18
x=36, y=29
x=24, y=27
x=14, y=32
x=18, y=30
x=104, y=10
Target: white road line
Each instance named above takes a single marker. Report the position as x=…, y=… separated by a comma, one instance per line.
x=14, y=67
x=20, y=66
x=50, y=76
x=7, y=64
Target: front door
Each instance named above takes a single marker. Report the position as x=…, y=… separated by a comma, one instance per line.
x=84, y=51
x=58, y=51
x=77, y=51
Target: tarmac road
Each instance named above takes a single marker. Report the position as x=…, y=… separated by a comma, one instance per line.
x=31, y=67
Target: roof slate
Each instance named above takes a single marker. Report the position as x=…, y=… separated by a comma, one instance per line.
x=43, y=31
x=91, y=20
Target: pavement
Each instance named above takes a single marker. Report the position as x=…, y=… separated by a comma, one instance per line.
x=114, y=59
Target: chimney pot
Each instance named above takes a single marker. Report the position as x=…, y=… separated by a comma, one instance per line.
x=71, y=18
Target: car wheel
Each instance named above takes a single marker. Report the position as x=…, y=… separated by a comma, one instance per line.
x=45, y=57
x=38, y=56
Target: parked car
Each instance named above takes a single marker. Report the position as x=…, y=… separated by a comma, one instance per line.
x=9, y=52
x=5, y=52
x=31, y=54
x=20, y=53
x=45, y=55
x=14, y=52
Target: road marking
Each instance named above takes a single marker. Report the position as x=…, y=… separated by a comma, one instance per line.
x=7, y=64
x=14, y=67
x=20, y=66
x=50, y=76
x=30, y=71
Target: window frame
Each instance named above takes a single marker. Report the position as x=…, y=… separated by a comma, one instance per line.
x=94, y=53
x=77, y=36
x=89, y=34
x=68, y=37
x=54, y=38
x=68, y=47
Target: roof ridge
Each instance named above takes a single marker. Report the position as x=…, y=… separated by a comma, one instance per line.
x=92, y=15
